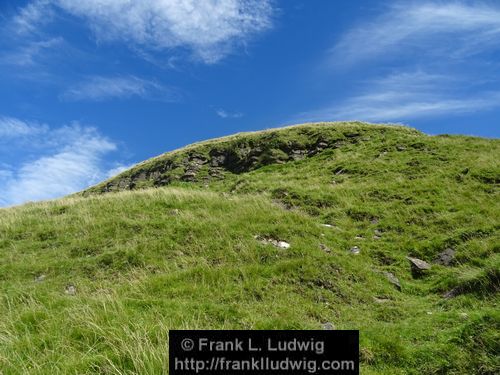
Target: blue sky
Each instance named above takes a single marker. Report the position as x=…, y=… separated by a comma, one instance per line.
x=91, y=87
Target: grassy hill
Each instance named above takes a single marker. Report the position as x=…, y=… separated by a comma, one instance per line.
x=92, y=283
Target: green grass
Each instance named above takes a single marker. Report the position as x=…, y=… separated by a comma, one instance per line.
x=185, y=255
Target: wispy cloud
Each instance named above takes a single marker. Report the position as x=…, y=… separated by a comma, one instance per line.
x=27, y=54
x=100, y=88
x=62, y=161
x=423, y=27
x=209, y=29
x=404, y=96
x=31, y=17
x=14, y=128
x=226, y=114
x=417, y=59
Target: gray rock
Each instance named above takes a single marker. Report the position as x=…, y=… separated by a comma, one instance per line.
x=446, y=258
x=328, y=326
x=282, y=245
x=270, y=241
x=393, y=280
x=375, y=237
x=40, y=278
x=418, y=266
x=155, y=175
x=298, y=154
x=197, y=160
x=327, y=225
x=351, y=135
x=381, y=300
x=452, y=293
x=325, y=248
x=189, y=175
x=70, y=289
x=216, y=172
x=218, y=160
x=355, y=250
x=124, y=183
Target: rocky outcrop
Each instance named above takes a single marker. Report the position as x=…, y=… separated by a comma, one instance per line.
x=205, y=162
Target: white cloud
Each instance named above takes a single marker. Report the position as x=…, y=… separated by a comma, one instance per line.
x=208, y=28
x=103, y=88
x=438, y=52
x=404, y=96
x=27, y=54
x=14, y=128
x=423, y=26
x=225, y=114
x=67, y=160
x=29, y=18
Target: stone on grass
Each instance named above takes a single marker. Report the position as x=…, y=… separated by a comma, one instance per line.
x=393, y=280
x=271, y=241
x=40, y=278
x=327, y=225
x=418, y=266
x=446, y=258
x=283, y=245
x=328, y=326
x=355, y=250
x=381, y=299
x=325, y=248
x=452, y=293
x=70, y=289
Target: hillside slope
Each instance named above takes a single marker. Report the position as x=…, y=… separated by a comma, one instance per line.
x=92, y=283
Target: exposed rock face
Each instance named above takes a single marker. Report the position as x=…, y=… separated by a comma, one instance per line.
x=212, y=162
